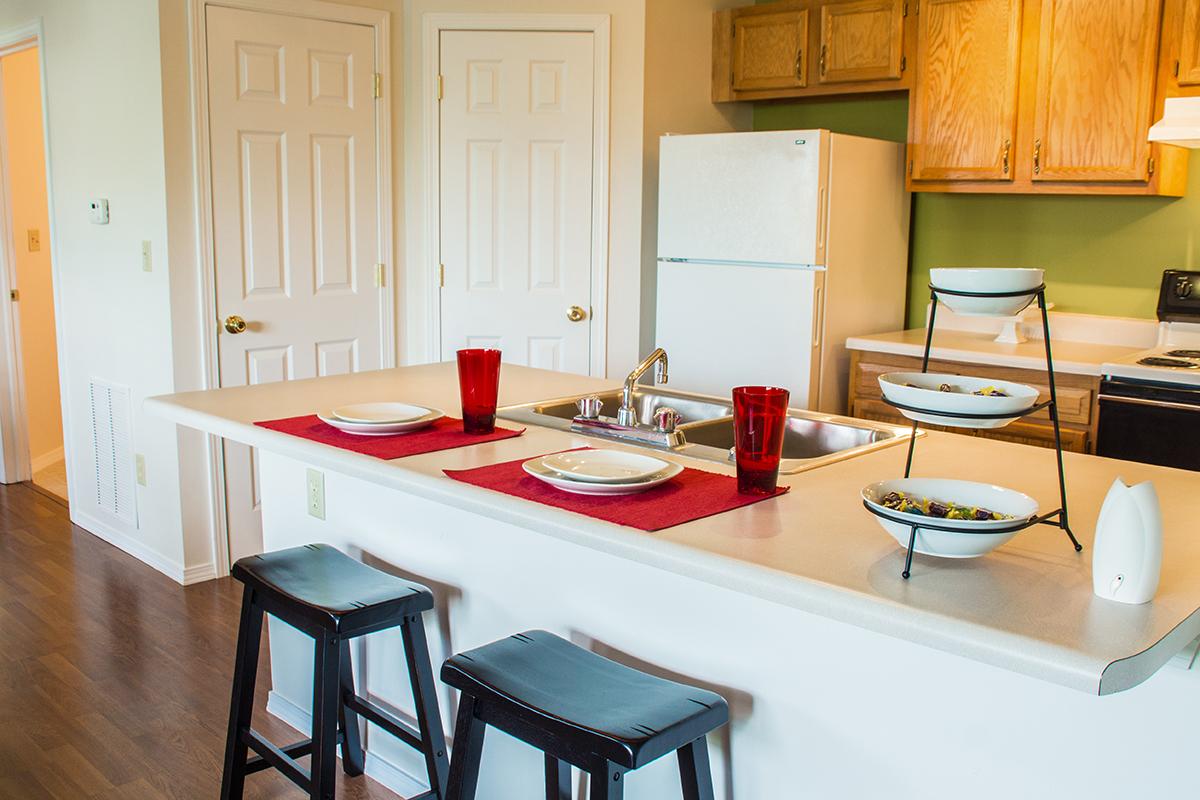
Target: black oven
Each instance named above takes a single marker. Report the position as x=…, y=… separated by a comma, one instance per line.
x=1150, y=422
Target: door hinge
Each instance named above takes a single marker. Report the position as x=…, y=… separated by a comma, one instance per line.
x=379, y=276
x=14, y=295
x=377, y=86
x=910, y=166
x=441, y=275
x=1150, y=166
x=441, y=88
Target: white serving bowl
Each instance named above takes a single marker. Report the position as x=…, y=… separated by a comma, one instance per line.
x=924, y=394
x=970, y=538
x=986, y=279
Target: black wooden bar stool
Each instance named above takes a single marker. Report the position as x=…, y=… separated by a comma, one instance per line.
x=577, y=708
x=333, y=598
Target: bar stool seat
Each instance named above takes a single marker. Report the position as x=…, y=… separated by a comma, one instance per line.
x=333, y=598
x=331, y=590
x=581, y=708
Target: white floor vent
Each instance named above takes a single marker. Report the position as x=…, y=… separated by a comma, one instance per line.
x=112, y=450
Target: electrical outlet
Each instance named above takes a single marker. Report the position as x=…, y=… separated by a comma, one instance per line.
x=98, y=211
x=35, y=239
x=147, y=259
x=139, y=462
x=316, y=494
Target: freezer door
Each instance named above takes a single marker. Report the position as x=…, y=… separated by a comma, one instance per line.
x=726, y=325
x=755, y=198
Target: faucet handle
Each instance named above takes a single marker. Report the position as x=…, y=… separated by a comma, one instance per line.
x=666, y=419
x=589, y=407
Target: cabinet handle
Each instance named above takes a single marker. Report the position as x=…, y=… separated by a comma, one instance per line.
x=1007, y=150
x=800, y=64
x=823, y=49
x=1037, y=156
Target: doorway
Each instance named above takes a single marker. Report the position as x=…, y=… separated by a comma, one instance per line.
x=295, y=121
x=38, y=430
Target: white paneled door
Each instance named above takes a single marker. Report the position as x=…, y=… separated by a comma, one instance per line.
x=516, y=195
x=295, y=183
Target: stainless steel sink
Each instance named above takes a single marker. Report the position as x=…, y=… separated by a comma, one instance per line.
x=810, y=440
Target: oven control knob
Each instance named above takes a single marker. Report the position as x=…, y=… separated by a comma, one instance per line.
x=1183, y=288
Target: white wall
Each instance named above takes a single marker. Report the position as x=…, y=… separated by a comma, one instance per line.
x=105, y=126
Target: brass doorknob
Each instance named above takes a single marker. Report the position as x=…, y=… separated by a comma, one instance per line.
x=235, y=324
x=576, y=314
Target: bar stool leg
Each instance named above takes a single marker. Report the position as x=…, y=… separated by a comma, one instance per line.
x=326, y=699
x=241, y=706
x=558, y=779
x=695, y=772
x=429, y=719
x=353, y=762
x=468, y=749
x=607, y=782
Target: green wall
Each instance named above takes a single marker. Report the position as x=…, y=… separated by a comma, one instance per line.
x=1102, y=255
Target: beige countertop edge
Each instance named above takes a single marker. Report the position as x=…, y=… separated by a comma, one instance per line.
x=1017, y=653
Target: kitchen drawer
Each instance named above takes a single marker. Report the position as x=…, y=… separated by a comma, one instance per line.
x=1020, y=432
x=1075, y=402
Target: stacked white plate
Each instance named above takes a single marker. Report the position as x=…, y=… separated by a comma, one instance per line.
x=601, y=472
x=922, y=390
x=380, y=419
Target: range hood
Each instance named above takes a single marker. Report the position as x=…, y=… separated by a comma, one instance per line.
x=1180, y=123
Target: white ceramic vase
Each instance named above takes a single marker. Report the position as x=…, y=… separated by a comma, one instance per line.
x=1127, y=554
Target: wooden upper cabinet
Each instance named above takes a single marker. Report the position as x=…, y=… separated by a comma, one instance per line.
x=861, y=41
x=1097, y=66
x=963, y=121
x=1187, y=65
x=770, y=50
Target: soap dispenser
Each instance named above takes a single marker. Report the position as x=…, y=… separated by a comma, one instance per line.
x=1127, y=554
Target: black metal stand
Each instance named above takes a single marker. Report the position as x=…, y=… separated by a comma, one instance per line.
x=1058, y=517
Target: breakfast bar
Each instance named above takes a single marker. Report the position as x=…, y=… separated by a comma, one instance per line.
x=843, y=679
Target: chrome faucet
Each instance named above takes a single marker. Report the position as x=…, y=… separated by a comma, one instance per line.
x=627, y=414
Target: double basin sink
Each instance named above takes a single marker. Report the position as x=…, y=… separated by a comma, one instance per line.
x=811, y=439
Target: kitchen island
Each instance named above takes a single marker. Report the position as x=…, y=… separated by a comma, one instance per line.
x=998, y=677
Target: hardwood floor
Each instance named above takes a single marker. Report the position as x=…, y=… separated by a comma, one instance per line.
x=114, y=680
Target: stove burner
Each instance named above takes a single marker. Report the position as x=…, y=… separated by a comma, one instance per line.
x=1159, y=361
x=1183, y=354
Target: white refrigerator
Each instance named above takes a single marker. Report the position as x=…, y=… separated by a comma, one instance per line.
x=773, y=248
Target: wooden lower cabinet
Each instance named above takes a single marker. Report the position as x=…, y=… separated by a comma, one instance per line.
x=1077, y=403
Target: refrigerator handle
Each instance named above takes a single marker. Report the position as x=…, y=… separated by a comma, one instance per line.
x=818, y=315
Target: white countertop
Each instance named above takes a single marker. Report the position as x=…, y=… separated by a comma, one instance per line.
x=1027, y=607
x=1078, y=358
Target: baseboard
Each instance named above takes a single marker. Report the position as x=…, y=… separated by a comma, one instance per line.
x=122, y=541
x=379, y=768
x=198, y=573
x=46, y=459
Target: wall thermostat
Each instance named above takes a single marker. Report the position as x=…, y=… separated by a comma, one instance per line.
x=98, y=211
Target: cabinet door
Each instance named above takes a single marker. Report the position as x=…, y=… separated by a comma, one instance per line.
x=1189, y=53
x=965, y=99
x=861, y=41
x=1097, y=61
x=769, y=50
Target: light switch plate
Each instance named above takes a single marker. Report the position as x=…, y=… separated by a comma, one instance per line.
x=35, y=239
x=316, y=494
x=139, y=461
x=98, y=211
x=147, y=257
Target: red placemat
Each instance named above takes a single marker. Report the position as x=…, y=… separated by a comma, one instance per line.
x=693, y=494
x=445, y=434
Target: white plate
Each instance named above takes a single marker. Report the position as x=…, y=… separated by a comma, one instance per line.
x=970, y=538
x=604, y=466
x=431, y=416
x=924, y=394
x=986, y=279
x=380, y=413
x=535, y=468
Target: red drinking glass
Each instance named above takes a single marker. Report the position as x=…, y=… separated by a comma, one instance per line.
x=759, y=419
x=478, y=384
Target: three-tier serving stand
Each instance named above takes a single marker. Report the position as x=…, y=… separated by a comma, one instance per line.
x=1058, y=517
